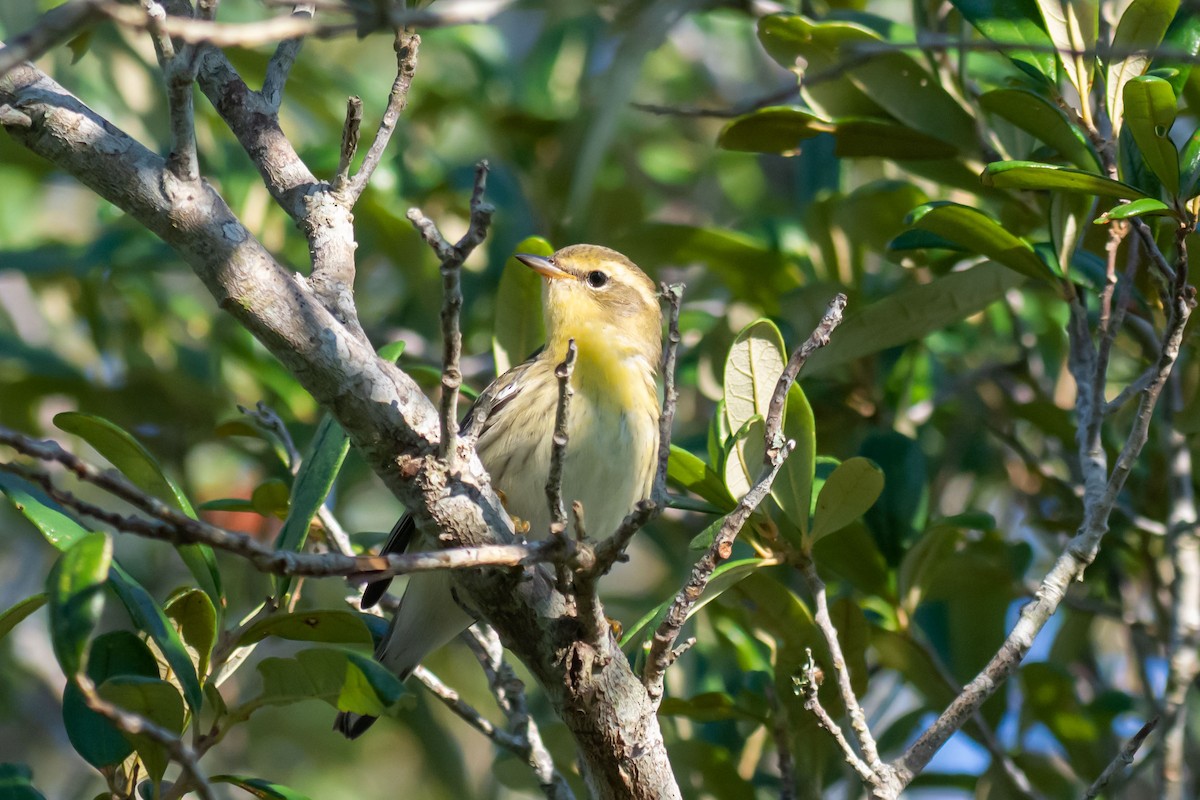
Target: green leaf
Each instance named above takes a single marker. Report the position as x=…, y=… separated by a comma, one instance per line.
x=74, y=588
x=867, y=137
x=96, y=739
x=900, y=510
x=1146, y=207
x=192, y=612
x=752, y=369
x=723, y=578
x=744, y=458
x=157, y=701
x=271, y=498
x=10, y=618
x=1142, y=27
x=1012, y=23
x=135, y=462
x=392, y=351
x=690, y=472
x=892, y=79
x=313, y=482
x=847, y=494
x=1150, y=108
x=260, y=788
x=56, y=525
x=149, y=618
x=913, y=312
x=923, y=560
x=1069, y=213
x=1073, y=26
x=346, y=680
x=16, y=783
x=793, y=486
x=775, y=129
x=519, y=328
x=974, y=229
x=1189, y=166
x=1036, y=175
x=329, y=626
x=1034, y=114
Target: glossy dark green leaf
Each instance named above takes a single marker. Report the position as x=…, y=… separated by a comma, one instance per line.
x=192, y=612
x=346, y=680
x=913, y=312
x=866, y=137
x=775, y=129
x=1150, y=108
x=98, y=741
x=689, y=472
x=1013, y=23
x=157, y=701
x=1141, y=29
x=793, y=485
x=519, y=329
x=1189, y=166
x=11, y=617
x=324, y=625
x=48, y=517
x=151, y=619
x=260, y=788
x=1146, y=207
x=312, y=485
x=1036, y=115
x=1049, y=177
x=16, y=783
x=75, y=591
x=900, y=510
x=136, y=463
x=974, y=229
x=849, y=491
x=922, y=240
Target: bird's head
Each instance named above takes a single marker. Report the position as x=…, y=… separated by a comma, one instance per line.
x=601, y=299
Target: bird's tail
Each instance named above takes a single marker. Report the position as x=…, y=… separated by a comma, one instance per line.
x=351, y=725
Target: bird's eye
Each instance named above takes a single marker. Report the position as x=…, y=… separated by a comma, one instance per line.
x=596, y=279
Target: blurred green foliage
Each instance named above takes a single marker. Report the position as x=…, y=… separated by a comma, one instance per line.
x=933, y=477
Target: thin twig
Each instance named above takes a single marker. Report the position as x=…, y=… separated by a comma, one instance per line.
x=559, y=441
x=350, y=133
x=807, y=685
x=452, y=257
x=509, y=692
x=468, y=713
x=407, y=45
x=659, y=657
x=179, y=73
x=279, y=68
x=169, y=524
x=612, y=549
x=137, y=725
x=858, y=719
x=1123, y=760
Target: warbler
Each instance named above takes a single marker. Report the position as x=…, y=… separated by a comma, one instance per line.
x=609, y=307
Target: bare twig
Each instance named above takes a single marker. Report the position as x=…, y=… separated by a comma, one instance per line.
x=168, y=524
x=807, y=684
x=559, y=441
x=179, y=74
x=659, y=657
x=468, y=713
x=350, y=133
x=280, y=65
x=509, y=692
x=1123, y=760
x=612, y=549
x=858, y=720
x=137, y=725
x=407, y=45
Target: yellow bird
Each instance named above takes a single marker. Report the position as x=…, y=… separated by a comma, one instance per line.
x=601, y=299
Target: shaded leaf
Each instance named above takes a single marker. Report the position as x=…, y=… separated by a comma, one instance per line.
x=1013, y=23
x=16, y=783
x=1034, y=114
x=519, y=328
x=793, y=486
x=194, y=616
x=1150, y=108
x=260, y=788
x=96, y=739
x=157, y=701
x=346, y=680
x=74, y=588
x=10, y=618
x=1142, y=27
x=60, y=530
x=329, y=626
x=1073, y=26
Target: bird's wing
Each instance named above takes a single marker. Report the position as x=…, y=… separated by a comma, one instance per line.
x=498, y=394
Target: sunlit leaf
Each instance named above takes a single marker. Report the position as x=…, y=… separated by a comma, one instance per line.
x=1073, y=26
x=847, y=494
x=260, y=788
x=1146, y=207
x=1011, y=24
x=1034, y=114
x=346, y=680
x=1035, y=175
x=1150, y=109
x=974, y=229
x=155, y=700
x=60, y=530
x=690, y=472
x=11, y=617
x=793, y=485
x=321, y=625
x=193, y=614
x=1141, y=29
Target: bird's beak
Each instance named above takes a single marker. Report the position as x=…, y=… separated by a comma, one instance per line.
x=543, y=266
